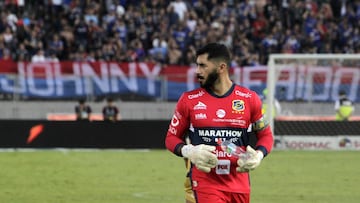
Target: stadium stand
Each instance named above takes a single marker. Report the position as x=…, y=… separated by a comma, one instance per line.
x=169, y=32
x=125, y=31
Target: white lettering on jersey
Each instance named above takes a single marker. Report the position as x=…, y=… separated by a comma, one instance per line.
x=172, y=130
x=222, y=154
x=174, y=121
x=219, y=133
x=200, y=105
x=232, y=121
x=242, y=94
x=199, y=94
x=206, y=139
x=200, y=116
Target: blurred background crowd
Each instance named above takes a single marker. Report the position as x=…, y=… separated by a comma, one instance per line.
x=169, y=32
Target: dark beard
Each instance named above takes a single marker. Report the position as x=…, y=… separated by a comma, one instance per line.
x=210, y=81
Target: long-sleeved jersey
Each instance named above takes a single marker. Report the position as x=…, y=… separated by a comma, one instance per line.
x=208, y=118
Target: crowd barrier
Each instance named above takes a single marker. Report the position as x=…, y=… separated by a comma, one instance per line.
x=82, y=134
x=150, y=134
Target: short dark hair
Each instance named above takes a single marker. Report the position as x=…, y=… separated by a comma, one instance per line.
x=215, y=51
x=342, y=92
x=82, y=101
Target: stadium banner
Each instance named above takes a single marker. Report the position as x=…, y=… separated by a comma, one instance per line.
x=79, y=79
x=317, y=142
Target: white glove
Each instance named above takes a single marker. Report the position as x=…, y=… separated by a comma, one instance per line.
x=201, y=156
x=250, y=161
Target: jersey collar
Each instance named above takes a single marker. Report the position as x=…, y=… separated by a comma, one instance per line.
x=222, y=96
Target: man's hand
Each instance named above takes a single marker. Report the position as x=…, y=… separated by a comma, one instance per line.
x=201, y=156
x=250, y=161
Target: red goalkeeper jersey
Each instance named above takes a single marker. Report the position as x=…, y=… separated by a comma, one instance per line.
x=208, y=118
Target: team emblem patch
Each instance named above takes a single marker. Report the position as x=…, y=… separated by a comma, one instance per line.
x=238, y=105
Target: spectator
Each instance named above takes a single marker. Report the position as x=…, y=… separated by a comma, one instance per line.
x=6, y=56
x=174, y=53
x=8, y=36
x=81, y=32
x=52, y=57
x=39, y=57
x=180, y=8
x=82, y=111
x=22, y=54
x=110, y=111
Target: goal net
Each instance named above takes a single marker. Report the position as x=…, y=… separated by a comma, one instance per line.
x=307, y=85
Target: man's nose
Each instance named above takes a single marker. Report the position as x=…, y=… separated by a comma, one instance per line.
x=197, y=69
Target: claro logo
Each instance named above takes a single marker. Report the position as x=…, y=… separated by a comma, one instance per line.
x=199, y=94
x=242, y=94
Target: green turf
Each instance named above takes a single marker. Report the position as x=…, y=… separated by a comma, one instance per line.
x=157, y=176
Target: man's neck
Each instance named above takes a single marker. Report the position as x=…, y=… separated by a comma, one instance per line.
x=222, y=87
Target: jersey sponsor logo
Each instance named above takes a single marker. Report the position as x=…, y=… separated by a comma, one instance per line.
x=199, y=105
x=172, y=130
x=223, y=167
x=239, y=122
x=220, y=133
x=233, y=140
x=222, y=154
x=242, y=94
x=199, y=94
x=220, y=113
x=206, y=139
x=175, y=121
x=238, y=105
x=200, y=116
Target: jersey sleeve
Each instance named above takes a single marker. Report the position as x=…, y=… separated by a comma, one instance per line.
x=256, y=111
x=265, y=139
x=178, y=126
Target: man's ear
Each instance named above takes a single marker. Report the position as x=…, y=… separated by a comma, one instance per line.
x=222, y=67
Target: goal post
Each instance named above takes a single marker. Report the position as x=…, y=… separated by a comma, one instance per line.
x=308, y=84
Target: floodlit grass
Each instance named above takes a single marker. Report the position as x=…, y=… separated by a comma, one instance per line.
x=308, y=176
x=156, y=176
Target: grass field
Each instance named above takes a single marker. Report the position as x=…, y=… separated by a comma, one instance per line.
x=156, y=176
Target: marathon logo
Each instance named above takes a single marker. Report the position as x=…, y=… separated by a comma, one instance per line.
x=220, y=133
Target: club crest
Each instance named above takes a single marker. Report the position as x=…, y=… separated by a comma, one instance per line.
x=238, y=105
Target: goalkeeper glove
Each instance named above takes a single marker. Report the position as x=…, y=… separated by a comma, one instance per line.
x=201, y=156
x=250, y=161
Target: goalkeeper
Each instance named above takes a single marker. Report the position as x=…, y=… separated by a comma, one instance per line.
x=218, y=110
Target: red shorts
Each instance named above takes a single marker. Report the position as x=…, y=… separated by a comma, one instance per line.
x=217, y=196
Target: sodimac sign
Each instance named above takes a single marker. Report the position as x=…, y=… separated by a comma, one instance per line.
x=79, y=79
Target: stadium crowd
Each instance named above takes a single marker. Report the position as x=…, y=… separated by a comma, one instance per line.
x=169, y=32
